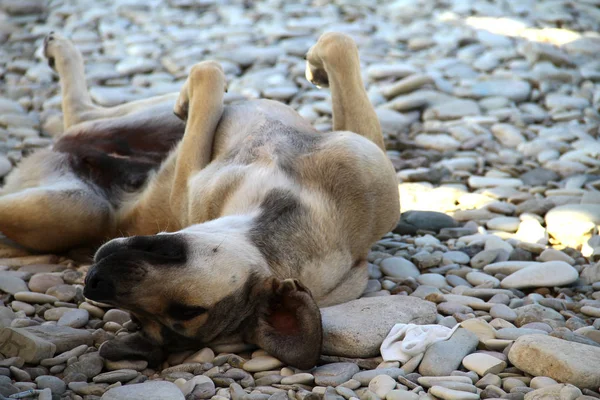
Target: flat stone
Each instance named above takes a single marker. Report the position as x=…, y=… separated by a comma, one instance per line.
x=381, y=385
x=88, y=365
x=365, y=377
x=399, y=267
x=450, y=394
x=63, y=337
x=35, y=298
x=345, y=330
x=536, y=313
x=19, y=342
x=116, y=315
x=121, y=375
x=555, y=392
x=12, y=284
x=441, y=358
x=262, y=363
x=151, y=390
x=483, y=364
x=547, y=274
x=516, y=90
x=334, y=374
x=56, y=385
x=429, y=381
x=558, y=359
x=75, y=318
x=42, y=282
x=503, y=311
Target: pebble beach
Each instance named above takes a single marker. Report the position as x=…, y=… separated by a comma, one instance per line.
x=491, y=115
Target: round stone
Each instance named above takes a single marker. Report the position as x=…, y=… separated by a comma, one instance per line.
x=262, y=363
x=399, y=267
x=548, y=274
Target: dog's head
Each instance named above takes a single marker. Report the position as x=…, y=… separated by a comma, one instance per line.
x=195, y=287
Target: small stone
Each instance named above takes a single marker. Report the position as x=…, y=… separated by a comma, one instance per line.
x=262, y=363
x=365, y=377
x=136, y=365
x=334, y=374
x=116, y=315
x=301, y=378
x=121, y=375
x=56, y=385
x=399, y=267
x=450, y=394
x=42, y=282
x=548, y=274
x=483, y=364
x=539, y=382
x=381, y=385
x=441, y=358
x=559, y=392
x=504, y=312
x=75, y=318
x=35, y=298
x=401, y=395
x=18, y=342
x=506, y=224
x=12, y=284
x=206, y=355
x=151, y=390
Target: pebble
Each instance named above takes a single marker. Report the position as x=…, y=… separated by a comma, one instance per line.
x=547, y=274
x=483, y=364
x=558, y=359
x=35, y=298
x=334, y=374
x=450, y=394
x=121, y=375
x=262, y=363
x=399, y=267
x=443, y=357
x=381, y=385
x=152, y=390
x=42, y=282
x=76, y=318
x=494, y=137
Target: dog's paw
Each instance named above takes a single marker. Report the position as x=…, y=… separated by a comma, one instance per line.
x=331, y=49
x=202, y=76
x=56, y=48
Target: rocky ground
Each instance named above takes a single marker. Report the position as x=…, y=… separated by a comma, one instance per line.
x=490, y=109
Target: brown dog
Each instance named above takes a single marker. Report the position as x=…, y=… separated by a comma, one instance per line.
x=242, y=221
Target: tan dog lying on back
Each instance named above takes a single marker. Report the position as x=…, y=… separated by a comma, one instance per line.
x=268, y=219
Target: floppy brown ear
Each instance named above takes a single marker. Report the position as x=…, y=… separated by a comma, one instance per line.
x=288, y=323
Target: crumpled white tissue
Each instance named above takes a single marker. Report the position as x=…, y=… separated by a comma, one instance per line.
x=408, y=340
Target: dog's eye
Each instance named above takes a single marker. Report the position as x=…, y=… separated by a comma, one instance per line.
x=183, y=312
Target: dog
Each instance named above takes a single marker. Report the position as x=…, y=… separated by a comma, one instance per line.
x=225, y=223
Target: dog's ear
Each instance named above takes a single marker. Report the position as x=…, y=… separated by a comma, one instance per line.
x=288, y=323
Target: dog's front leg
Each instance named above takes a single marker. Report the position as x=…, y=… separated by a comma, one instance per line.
x=200, y=103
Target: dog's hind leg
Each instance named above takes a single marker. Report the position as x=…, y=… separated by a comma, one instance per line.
x=68, y=63
x=334, y=62
x=77, y=104
x=200, y=102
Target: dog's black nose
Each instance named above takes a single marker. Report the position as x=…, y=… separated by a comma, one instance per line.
x=98, y=287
